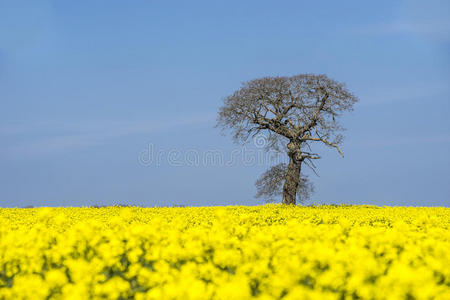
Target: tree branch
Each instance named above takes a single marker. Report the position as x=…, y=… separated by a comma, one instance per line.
x=316, y=114
x=310, y=164
x=310, y=155
x=309, y=138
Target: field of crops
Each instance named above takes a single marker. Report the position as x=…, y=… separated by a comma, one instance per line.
x=266, y=252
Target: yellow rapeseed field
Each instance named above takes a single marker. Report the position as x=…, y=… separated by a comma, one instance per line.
x=264, y=252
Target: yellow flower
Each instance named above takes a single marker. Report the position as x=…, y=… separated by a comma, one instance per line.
x=263, y=252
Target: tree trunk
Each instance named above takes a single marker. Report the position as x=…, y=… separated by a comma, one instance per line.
x=292, y=179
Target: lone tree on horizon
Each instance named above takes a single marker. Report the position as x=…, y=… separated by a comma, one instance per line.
x=294, y=112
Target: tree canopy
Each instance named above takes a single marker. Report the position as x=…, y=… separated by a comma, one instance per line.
x=294, y=112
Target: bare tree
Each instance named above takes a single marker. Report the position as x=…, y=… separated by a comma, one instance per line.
x=270, y=184
x=294, y=112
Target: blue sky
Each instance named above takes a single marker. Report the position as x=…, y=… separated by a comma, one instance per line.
x=87, y=86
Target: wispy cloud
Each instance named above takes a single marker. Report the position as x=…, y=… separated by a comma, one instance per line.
x=49, y=137
x=426, y=19
x=53, y=144
x=427, y=91
x=404, y=141
x=436, y=29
